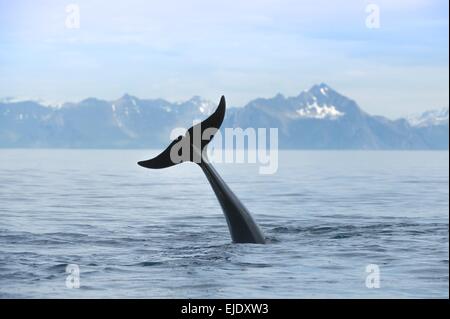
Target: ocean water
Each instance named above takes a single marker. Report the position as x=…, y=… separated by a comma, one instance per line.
x=137, y=233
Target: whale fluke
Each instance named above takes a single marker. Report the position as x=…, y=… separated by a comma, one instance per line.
x=213, y=123
x=243, y=228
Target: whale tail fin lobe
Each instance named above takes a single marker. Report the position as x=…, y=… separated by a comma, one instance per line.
x=212, y=124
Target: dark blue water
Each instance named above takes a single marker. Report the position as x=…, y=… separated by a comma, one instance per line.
x=142, y=233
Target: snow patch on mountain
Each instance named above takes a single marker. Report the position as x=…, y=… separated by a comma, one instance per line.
x=205, y=107
x=429, y=118
x=316, y=111
x=46, y=103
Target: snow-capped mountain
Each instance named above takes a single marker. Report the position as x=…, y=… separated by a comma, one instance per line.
x=10, y=99
x=429, y=118
x=318, y=118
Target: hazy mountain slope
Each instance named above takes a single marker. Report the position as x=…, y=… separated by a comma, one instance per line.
x=319, y=118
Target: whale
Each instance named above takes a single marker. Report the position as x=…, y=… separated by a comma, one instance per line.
x=187, y=148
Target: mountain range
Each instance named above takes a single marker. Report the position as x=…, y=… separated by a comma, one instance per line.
x=318, y=118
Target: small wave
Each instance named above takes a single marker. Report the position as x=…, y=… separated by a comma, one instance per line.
x=345, y=235
x=147, y=263
x=272, y=240
x=58, y=268
x=255, y=265
x=342, y=231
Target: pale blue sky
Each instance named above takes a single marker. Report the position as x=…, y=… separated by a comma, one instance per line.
x=243, y=49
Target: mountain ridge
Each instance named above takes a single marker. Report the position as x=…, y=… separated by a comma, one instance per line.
x=318, y=118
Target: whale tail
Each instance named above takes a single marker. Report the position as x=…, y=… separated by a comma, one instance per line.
x=243, y=228
x=172, y=155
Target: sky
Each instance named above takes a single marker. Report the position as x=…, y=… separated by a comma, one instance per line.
x=241, y=48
